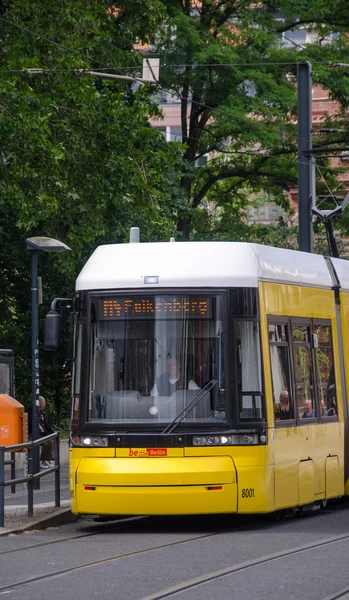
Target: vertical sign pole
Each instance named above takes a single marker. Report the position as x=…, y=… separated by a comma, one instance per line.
x=35, y=366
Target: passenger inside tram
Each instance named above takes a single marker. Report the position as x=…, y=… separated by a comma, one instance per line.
x=309, y=411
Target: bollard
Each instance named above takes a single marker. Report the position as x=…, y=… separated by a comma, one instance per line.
x=2, y=486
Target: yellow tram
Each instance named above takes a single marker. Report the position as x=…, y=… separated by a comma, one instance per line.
x=209, y=377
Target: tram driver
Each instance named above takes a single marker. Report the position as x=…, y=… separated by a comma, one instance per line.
x=172, y=379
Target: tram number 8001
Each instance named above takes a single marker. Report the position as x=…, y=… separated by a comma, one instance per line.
x=247, y=493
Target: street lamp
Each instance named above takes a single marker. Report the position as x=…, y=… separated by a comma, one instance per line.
x=48, y=245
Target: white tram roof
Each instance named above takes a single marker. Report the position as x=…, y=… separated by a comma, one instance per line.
x=201, y=264
x=342, y=270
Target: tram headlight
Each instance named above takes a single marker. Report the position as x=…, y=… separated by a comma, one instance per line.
x=100, y=442
x=89, y=441
x=246, y=439
x=212, y=440
x=198, y=441
x=237, y=439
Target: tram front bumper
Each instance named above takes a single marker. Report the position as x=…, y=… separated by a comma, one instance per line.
x=155, y=486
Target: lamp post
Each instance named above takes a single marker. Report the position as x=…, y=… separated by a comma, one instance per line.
x=48, y=245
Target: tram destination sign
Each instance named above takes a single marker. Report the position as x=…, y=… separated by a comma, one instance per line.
x=159, y=307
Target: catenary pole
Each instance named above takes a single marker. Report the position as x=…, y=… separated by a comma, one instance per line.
x=305, y=167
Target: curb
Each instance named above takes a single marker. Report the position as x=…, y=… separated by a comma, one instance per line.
x=59, y=518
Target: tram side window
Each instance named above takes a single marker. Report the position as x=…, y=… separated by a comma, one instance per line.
x=280, y=371
x=303, y=371
x=325, y=371
x=249, y=372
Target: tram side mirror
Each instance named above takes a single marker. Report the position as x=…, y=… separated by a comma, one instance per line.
x=52, y=334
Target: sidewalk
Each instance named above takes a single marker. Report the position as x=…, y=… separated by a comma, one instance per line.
x=45, y=512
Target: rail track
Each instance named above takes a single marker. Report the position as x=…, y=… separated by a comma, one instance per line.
x=181, y=587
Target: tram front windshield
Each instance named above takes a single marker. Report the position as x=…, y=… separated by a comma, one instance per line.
x=151, y=356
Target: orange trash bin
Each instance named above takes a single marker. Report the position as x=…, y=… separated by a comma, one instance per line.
x=13, y=421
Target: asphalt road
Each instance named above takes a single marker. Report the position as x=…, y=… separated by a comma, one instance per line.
x=201, y=558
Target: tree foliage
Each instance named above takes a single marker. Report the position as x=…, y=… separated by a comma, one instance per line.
x=79, y=160
x=233, y=65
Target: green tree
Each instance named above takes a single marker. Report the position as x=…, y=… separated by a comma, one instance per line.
x=78, y=161
x=233, y=66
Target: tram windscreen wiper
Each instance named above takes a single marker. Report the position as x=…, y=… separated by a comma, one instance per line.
x=187, y=409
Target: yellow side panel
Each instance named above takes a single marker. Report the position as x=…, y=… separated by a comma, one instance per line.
x=306, y=482
x=316, y=441
x=255, y=490
x=334, y=482
x=162, y=500
x=294, y=301
x=287, y=456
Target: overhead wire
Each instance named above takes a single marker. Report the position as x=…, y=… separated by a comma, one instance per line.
x=265, y=63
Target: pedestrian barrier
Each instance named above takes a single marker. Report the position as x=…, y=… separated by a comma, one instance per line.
x=31, y=476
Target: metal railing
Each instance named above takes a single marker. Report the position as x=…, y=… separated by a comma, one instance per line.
x=31, y=477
